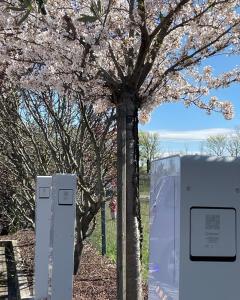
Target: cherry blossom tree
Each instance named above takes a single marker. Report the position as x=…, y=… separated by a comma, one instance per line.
x=131, y=54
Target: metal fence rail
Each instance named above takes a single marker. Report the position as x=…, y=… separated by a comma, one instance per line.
x=110, y=225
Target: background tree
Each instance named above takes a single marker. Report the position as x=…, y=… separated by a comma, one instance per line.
x=134, y=55
x=43, y=133
x=149, y=147
x=220, y=145
x=8, y=216
x=216, y=145
x=233, y=143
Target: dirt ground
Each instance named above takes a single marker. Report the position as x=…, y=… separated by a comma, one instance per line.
x=96, y=279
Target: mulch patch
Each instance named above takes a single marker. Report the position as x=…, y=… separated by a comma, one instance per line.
x=96, y=279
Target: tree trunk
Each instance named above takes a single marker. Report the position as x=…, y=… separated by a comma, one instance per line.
x=79, y=243
x=148, y=166
x=82, y=231
x=121, y=202
x=129, y=195
x=77, y=255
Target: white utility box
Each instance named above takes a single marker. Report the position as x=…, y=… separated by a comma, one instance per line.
x=43, y=217
x=62, y=237
x=194, y=229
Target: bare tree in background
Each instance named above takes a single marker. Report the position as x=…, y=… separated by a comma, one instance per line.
x=8, y=217
x=220, y=145
x=216, y=145
x=149, y=147
x=43, y=133
x=233, y=143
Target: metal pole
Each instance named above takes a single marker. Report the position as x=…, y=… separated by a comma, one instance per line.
x=103, y=227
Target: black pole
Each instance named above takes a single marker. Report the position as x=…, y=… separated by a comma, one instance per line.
x=103, y=227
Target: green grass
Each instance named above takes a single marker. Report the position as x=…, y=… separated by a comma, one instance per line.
x=144, y=188
x=144, y=184
x=145, y=224
x=111, y=230
x=111, y=236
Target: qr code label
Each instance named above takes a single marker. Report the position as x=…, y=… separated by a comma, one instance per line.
x=212, y=222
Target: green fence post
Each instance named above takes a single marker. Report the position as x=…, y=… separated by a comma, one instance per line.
x=103, y=227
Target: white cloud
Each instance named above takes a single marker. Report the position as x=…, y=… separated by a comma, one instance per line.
x=192, y=135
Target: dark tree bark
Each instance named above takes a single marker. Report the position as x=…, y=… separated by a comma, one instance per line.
x=128, y=198
x=79, y=242
x=83, y=230
x=77, y=255
x=121, y=201
x=148, y=166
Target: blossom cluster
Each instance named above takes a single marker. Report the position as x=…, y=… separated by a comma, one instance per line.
x=100, y=48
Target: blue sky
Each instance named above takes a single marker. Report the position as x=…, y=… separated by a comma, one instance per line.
x=183, y=128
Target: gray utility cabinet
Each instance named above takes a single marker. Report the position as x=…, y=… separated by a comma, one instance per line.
x=194, y=229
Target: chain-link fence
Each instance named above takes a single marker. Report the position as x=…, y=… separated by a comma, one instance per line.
x=144, y=186
x=97, y=239
x=111, y=232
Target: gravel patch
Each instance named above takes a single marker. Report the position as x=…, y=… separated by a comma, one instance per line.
x=96, y=279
